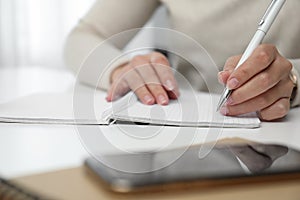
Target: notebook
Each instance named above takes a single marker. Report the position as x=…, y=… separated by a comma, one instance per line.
x=191, y=109
x=53, y=108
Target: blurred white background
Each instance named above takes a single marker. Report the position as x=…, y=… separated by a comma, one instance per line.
x=33, y=32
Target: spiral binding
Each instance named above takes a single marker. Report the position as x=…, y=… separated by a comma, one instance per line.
x=9, y=191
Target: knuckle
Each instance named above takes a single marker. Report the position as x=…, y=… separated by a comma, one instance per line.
x=265, y=80
x=263, y=56
x=281, y=109
x=265, y=53
x=288, y=65
x=161, y=60
x=243, y=72
x=138, y=60
x=267, y=47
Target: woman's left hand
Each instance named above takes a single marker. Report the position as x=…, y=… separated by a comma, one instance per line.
x=260, y=84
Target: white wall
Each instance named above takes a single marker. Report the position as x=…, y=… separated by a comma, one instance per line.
x=33, y=32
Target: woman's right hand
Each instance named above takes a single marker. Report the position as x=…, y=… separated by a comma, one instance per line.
x=149, y=76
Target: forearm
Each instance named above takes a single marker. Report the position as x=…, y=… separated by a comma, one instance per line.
x=80, y=43
x=105, y=19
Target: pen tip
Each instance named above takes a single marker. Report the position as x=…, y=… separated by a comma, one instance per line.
x=223, y=98
x=220, y=104
x=218, y=108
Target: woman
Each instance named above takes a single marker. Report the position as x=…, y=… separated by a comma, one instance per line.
x=262, y=84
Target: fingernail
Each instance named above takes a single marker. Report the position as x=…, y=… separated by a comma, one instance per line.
x=148, y=99
x=224, y=110
x=232, y=83
x=229, y=101
x=162, y=100
x=169, y=85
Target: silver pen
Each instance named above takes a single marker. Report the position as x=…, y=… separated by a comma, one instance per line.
x=263, y=27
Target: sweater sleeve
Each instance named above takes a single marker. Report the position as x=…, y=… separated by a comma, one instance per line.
x=105, y=19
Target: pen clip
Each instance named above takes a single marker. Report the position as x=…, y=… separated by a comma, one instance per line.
x=267, y=12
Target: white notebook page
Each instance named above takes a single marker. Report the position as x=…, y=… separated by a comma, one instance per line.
x=191, y=109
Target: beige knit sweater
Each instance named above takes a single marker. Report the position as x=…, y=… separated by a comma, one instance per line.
x=222, y=27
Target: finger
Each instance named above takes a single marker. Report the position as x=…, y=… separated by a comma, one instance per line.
x=278, y=70
x=161, y=96
x=282, y=90
x=260, y=59
x=223, y=76
x=229, y=66
x=137, y=85
x=142, y=66
x=276, y=111
x=164, y=72
x=144, y=95
x=231, y=63
x=118, y=89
